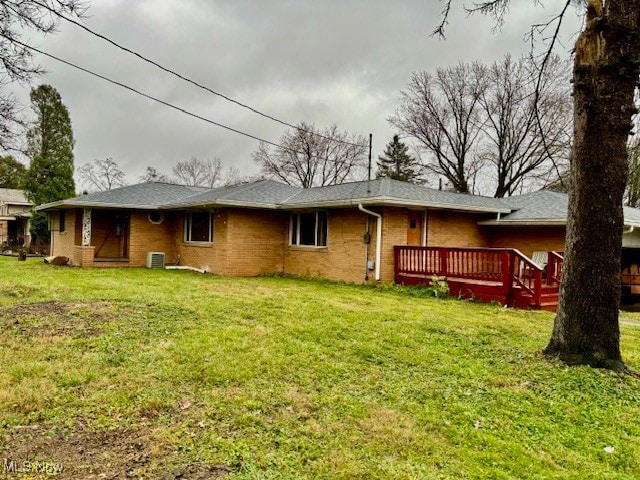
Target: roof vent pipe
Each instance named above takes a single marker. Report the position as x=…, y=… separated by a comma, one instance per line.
x=378, y=237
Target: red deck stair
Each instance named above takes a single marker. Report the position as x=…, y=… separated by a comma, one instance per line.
x=487, y=274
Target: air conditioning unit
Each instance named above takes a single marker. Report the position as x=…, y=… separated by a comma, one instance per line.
x=155, y=260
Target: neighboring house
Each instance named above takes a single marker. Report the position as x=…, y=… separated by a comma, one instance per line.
x=343, y=232
x=15, y=212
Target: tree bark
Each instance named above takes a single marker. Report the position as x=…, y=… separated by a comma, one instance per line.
x=606, y=69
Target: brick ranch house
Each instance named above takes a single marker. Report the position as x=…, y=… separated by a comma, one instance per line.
x=369, y=231
x=15, y=214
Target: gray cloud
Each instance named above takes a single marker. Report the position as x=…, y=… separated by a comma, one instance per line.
x=341, y=62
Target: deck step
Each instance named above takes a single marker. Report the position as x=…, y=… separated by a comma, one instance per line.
x=490, y=290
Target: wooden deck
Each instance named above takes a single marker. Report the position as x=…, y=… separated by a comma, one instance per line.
x=486, y=274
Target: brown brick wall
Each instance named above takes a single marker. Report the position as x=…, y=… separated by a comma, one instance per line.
x=454, y=229
x=344, y=258
x=395, y=222
x=211, y=257
x=251, y=242
x=256, y=242
x=83, y=256
x=527, y=239
x=63, y=242
x=145, y=237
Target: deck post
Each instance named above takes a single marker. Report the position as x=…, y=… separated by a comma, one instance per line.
x=537, y=287
x=396, y=263
x=442, y=271
x=506, y=264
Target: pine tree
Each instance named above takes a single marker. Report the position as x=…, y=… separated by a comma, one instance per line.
x=50, y=147
x=12, y=172
x=397, y=164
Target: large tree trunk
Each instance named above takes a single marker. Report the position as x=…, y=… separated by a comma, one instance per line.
x=606, y=68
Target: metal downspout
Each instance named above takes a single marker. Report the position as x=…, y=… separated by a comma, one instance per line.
x=378, y=237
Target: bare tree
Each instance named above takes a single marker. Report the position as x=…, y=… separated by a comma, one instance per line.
x=441, y=112
x=606, y=69
x=152, y=175
x=101, y=175
x=632, y=193
x=308, y=157
x=199, y=173
x=16, y=60
x=479, y=126
x=232, y=176
x=527, y=139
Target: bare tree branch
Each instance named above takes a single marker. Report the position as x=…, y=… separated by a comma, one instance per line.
x=16, y=61
x=199, y=173
x=101, y=175
x=306, y=159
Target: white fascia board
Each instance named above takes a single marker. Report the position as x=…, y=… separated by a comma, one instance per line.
x=525, y=223
x=394, y=202
x=62, y=204
x=221, y=203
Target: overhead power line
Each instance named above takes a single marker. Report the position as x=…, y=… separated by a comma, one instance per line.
x=186, y=79
x=162, y=102
x=150, y=97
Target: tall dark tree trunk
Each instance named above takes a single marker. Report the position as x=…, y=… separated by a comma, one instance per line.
x=606, y=69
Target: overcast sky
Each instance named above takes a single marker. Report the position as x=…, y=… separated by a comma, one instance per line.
x=320, y=61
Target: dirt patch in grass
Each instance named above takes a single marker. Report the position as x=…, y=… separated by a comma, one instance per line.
x=75, y=319
x=80, y=453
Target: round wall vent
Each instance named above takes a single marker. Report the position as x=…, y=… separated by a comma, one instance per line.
x=156, y=217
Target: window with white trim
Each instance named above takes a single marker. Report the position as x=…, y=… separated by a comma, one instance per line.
x=198, y=227
x=309, y=229
x=62, y=221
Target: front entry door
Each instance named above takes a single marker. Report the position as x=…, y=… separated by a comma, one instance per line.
x=414, y=228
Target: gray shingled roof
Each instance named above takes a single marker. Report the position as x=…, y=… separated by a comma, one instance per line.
x=546, y=207
x=542, y=207
x=151, y=195
x=272, y=194
x=393, y=192
x=13, y=197
x=264, y=193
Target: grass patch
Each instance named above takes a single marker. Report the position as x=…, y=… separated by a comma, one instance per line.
x=160, y=374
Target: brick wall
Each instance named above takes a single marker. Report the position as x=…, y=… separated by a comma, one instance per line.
x=454, y=229
x=344, y=257
x=395, y=222
x=83, y=256
x=211, y=257
x=252, y=242
x=527, y=239
x=145, y=237
x=256, y=242
x=63, y=242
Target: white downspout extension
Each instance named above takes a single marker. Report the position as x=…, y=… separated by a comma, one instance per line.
x=378, y=237
x=631, y=228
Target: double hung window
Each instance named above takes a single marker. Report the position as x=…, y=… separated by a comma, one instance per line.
x=198, y=227
x=309, y=229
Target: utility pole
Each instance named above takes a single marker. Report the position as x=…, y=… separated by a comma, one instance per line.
x=369, y=170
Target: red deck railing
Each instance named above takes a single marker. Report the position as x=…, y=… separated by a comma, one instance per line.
x=504, y=269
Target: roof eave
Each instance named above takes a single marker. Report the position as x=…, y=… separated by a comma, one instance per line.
x=395, y=202
x=221, y=203
x=63, y=204
x=525, y=223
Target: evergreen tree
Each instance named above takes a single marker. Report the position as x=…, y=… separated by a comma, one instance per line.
x=12, y=172
x=50, y=147
x=397, y=164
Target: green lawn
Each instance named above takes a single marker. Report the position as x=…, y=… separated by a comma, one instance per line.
x=139, y=373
